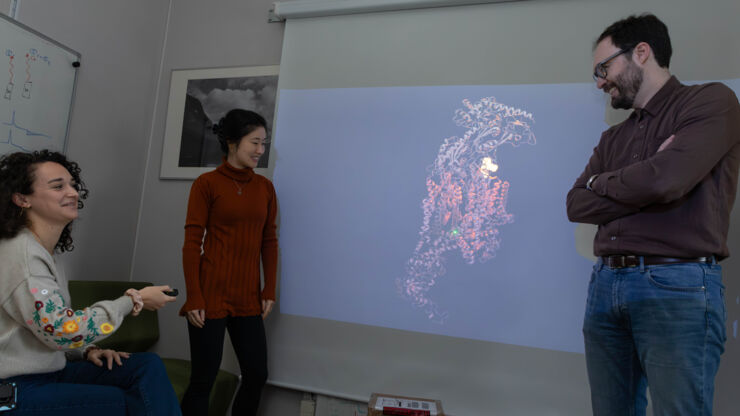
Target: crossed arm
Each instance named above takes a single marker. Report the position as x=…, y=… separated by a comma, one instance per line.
x=703, y=136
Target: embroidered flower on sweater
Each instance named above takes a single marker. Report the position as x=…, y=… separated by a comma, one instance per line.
x=70, y=327
x=53, y=318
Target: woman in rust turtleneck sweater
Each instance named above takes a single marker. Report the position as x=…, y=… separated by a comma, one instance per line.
x=235, y=209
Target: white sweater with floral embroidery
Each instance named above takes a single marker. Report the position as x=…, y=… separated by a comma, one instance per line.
x=37, y=323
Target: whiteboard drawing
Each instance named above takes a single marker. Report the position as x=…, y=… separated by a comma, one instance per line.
x=39, y=77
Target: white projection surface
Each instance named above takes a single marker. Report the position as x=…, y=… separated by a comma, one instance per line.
x=436, y=209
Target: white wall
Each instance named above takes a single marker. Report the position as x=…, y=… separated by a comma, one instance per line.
x=125, y=46
x=121, y=44
x=5, y=6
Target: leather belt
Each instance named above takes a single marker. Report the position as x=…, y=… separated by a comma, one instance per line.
x=620, y=261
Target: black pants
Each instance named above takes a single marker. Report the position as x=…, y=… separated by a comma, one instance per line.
x=247, y=335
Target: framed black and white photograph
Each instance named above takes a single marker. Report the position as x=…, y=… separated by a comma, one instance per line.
x=198, y=100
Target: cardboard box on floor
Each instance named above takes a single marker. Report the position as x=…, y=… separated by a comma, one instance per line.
x=376, y=400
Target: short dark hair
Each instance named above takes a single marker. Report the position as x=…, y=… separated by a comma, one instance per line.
x=236, y=124
x=17, y=173
x=628, y=32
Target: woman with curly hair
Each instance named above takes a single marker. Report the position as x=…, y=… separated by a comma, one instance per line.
x=230, y=227
x=48, y=355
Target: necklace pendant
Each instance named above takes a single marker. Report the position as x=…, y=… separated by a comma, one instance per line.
x=238, y=187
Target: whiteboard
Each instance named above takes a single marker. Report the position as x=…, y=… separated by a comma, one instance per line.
x=37, y=80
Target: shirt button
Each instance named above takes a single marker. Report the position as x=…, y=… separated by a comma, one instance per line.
x=642, y=126
x=613, y=238
x=634, y=156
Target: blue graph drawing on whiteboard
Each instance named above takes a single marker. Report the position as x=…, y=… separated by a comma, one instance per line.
x=466, y=197
x=28, y=133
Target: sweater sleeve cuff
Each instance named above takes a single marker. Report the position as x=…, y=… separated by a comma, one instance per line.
x=123, y=305
x=268, y=294
x=191, y=305
x=76, y=354
x=599, y=185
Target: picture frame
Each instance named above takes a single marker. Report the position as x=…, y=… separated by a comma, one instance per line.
x=198, y=99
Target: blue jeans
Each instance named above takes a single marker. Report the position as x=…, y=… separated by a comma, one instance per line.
x=660, y=325
x=139, y=387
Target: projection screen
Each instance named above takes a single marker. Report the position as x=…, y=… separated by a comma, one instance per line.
x=422, y=162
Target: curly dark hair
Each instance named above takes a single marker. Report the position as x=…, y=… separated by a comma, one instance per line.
x=17, y=173
x=236, y=124
x=630, y=31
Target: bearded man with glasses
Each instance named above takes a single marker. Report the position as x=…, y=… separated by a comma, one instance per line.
x=660, y=186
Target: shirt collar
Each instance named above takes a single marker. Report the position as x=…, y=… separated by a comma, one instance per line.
x=658, y=100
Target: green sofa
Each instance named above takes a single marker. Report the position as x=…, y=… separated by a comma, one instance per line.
x=140, y=333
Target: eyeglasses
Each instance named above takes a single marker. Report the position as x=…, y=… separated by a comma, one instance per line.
x=600, y=68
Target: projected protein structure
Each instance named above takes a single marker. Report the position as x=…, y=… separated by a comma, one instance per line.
x=466, y=198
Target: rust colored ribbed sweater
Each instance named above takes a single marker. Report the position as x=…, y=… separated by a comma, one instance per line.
x=239, y=229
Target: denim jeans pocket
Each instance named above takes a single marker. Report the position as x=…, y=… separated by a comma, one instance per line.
x=684, y=277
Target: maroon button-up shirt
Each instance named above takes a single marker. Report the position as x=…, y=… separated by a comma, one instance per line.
x=675, y=202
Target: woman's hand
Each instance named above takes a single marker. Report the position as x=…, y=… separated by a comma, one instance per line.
x=197, y=317
x=96, y=356
x=267, y=307
x=154, y=298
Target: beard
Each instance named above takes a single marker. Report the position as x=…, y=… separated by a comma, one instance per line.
x=628, y=84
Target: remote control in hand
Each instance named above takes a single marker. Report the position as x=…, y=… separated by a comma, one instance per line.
x=172, y=292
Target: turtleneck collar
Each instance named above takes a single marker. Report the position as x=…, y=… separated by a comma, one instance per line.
x=240, y=175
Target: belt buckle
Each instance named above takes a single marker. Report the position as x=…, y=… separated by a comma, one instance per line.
x=618, y=261
x=622, y=263
x=611, y=261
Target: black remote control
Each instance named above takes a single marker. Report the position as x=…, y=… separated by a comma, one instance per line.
x=172, y=292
